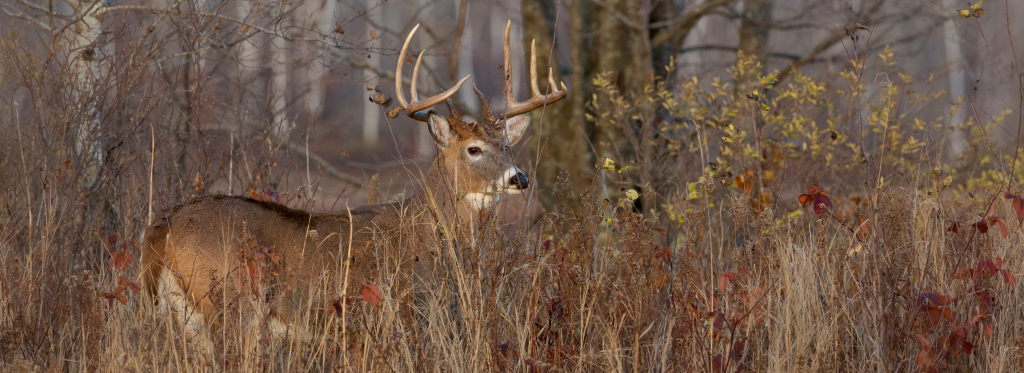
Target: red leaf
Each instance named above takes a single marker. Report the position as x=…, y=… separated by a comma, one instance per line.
x=805, y=199
x=1017, y=202
x=934, y=315
x=719, y=320
x=976, y=319
x=955, y=228
x=336, y=305
x=371, y=293
x=110, y=297
x=716, y=364
x=111, y=240
x=1008, y=277
x=124, y=282
x=996, y=220
x=723, y=280
x=925, y=345
x=818, y=199
x=986, y=268
x=968, y=347
x=982, y=226
x=737, y=349
x=120, y=259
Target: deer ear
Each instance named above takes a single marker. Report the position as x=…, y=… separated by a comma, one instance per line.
x=440, y=129
x=516, y=127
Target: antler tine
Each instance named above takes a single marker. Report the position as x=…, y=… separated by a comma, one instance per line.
x=533, y=70
x=506, y=67
x=537, y=99
x=413, y=108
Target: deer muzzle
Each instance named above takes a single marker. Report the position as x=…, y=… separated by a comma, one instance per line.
x=520, y=180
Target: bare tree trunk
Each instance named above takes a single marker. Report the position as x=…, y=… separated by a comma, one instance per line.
x=463, y=59
x=279, y=62
x=371, y=112
x=562, y=132
x=757, y=15
x=84, y=56
x=324, y=15
x=954, y=61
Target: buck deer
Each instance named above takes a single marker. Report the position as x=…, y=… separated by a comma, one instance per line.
x=209, y=247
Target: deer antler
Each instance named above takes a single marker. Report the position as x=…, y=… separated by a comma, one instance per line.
x=414, y=108
x=536, y=100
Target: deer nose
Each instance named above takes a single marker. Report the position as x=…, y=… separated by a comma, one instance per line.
x=520, y=180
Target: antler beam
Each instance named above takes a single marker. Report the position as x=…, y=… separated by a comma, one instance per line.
x=414, y=109
x=536, y=100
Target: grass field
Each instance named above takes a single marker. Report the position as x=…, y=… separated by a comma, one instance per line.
x=897, y=258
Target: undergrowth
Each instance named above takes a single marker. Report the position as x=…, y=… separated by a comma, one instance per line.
x=695, y=248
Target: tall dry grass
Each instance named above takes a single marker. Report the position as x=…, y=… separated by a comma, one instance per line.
x=715, y=267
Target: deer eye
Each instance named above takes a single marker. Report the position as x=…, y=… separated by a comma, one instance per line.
x=473, y=150
x=507, y=149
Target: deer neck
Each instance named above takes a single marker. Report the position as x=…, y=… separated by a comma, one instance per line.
x=449, y=202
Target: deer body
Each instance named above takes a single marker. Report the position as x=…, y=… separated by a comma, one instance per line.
x=220, y=247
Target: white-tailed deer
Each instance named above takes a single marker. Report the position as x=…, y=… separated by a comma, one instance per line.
x=214, y=246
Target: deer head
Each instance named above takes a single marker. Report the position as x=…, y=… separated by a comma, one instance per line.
x=475, y=157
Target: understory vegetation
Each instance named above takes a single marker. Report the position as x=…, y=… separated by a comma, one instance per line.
x=733, y=224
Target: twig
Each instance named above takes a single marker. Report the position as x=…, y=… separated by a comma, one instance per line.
x=139, y=8
x=323, y=163
x=19, y=14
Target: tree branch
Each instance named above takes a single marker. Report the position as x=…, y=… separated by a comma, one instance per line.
x=681, y=26
x=7, y=9
x=139, y=8
x=800, y=62
x=733, y=49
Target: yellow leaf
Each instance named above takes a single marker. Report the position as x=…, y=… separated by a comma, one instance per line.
x=976, y=5
x=948, y=180
x=726, y=139
x=631, y=194
x=623, y=169
x=978, y=13
x=966, y=13
x=608, y=164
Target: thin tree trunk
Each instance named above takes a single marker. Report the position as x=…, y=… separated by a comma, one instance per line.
x=371, y=112
x=318, y=67
x=84, y=55
x=561, y=133
x=754, y=31
x=954, y=61
x=279, y=62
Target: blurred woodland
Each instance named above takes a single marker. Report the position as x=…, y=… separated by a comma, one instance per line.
x=719, y=113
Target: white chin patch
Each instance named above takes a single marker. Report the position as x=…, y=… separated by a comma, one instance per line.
x=480, y=201
x=491, y=197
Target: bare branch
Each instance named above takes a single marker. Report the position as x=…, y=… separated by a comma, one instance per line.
x=618, y=15
x=139, y=8
x=8, y=9
x=324, y=164
x=681, y=26
x=35, y=6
